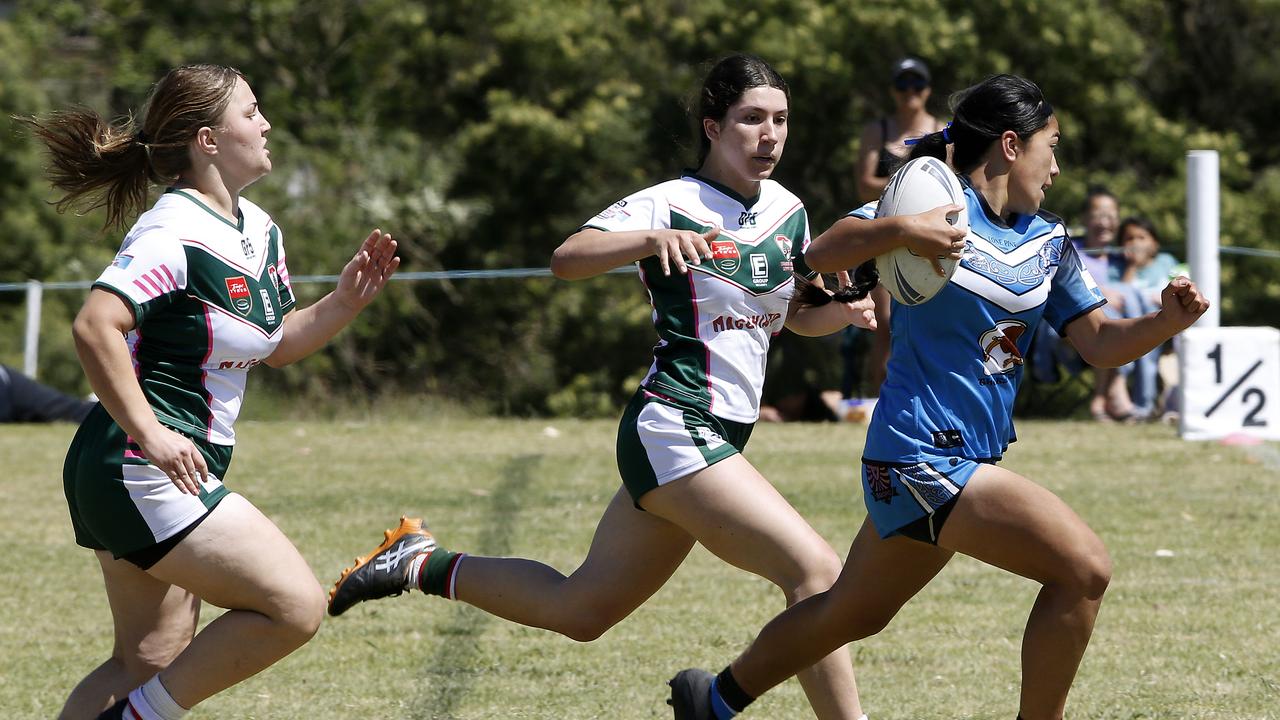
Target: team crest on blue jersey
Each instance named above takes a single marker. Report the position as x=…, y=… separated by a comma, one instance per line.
x=238, y=292
x=1000, y=347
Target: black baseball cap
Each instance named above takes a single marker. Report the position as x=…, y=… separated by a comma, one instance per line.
x=910, y=66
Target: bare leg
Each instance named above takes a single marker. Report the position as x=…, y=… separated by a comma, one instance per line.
x=153, y=620
x=632, y=555
x=238, y=559
x=1010, y=522
x=740, y=517
x=878, y=578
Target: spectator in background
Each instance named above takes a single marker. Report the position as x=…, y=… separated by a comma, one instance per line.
x=1110, y=400
x=22, y=399
x=1144, y=272
x=881, y=150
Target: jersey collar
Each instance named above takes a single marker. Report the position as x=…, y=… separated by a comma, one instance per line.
x=238, y=226
x=725, y=190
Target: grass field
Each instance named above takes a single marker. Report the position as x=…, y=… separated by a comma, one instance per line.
x=1191, y=632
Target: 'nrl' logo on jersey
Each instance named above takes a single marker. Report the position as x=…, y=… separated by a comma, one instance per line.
x=1000, y=347
x=238, y=292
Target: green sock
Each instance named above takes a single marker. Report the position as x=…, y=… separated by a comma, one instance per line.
x=437, y=573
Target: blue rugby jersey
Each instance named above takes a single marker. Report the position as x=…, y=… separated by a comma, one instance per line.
x=956, y=361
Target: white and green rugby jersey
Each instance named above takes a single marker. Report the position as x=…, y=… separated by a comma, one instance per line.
x=715, y=323
x=209, y=298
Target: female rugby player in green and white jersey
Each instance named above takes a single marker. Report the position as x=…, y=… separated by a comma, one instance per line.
x=198, y=294
x=717, y=250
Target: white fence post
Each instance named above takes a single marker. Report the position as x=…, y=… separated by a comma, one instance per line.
x=31, y=348
x=1202, y=230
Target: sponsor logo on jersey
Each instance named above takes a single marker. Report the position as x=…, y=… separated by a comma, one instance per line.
x=1000, y=347
x=618, y=209
x=238, y=364
x=275, y=276
x=725, y=256
x=880, y=482
x=122, y=261
x=728, y=322
x=747, y=219
x=238, y=292
x=247, y=247
x=268, y=309
x=759, y=269
x=710, y=437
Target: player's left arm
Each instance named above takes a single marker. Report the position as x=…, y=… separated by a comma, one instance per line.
x=1111, y=342
x=806, y=318
x=308, y=329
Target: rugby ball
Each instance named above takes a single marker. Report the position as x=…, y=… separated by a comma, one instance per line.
x=919, y=186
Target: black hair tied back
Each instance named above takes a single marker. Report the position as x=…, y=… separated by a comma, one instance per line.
x=865, y=278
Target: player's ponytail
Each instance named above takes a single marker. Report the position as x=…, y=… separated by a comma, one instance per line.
x=932, y=145
x=97, y=163
x=981, y=114
x=865, y=278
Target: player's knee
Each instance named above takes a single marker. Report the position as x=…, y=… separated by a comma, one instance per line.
x=300, y=613
x=817, y=575
x=1094, y=573
x=1088, y=573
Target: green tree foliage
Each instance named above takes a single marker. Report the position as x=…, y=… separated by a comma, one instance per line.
x=483, y=133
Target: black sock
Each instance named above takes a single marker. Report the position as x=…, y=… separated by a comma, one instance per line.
x=115, y=712
x=732, y=693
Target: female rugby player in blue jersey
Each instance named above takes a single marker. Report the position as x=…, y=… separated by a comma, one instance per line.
x=930, y=480
x=718, y=250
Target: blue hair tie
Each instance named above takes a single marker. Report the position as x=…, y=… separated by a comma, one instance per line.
x=946, y=137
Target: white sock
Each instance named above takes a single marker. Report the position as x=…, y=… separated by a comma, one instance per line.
x=415, y=570
x=153, y=702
